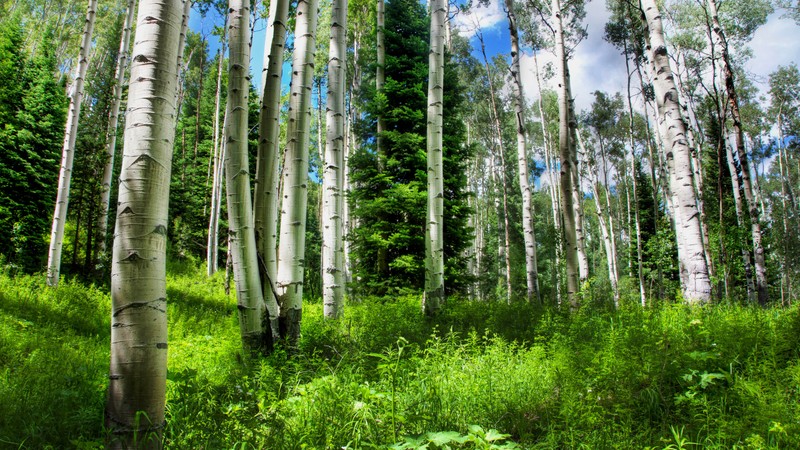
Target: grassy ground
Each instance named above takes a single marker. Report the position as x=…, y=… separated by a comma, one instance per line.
x=482, y=375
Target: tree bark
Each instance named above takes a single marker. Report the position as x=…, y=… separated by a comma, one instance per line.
x=256, y=335
x=68, y=150
x=531, y=270
x=434, y=227
x=691, y=253
x=752, y=205
x=567, y=161
x=291, y=253
x=138, y=370
x=266, y=198
x=111, y=133
x=333, y=164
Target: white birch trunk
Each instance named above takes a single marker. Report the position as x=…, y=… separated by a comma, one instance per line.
x=68, y=150
x=691, y=253
x=249, y=296
x=531, y=270
x=434, y=226
x=291, y=253
x=333, y=164
x=565, y=149
x=266, y=197
x=138, y=370
x=212, y=255
x=111, y=133
x=752, y=205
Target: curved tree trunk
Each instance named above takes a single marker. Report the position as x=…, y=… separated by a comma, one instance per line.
x=752, y=205
x=138, y=370
x=333, y=164
x=111, y=133
x=266, y=197
x=291, y=253
x=696, y=281
x=68, y=151
x=531, y=270
x=434, y=227
x=242, y=239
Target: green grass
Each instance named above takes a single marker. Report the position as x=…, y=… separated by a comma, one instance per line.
x=482, y=375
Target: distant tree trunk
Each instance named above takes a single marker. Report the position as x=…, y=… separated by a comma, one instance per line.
x=434, y=227
x=291, y=253
x=266, y=197
x=380, y=79
x=740, y=220
x=552, y=175
x=567, y=161
x=333, y=164
x=138, y=370
x=531, y=270
x=752, y=205
x=256, y=334
x=111, y=133
x=499, y=151
x=68, y=150
x=216, y=186
x=691, y=253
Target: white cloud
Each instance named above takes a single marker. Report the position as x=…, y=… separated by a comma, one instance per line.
x=773, y=46
x=486, y=17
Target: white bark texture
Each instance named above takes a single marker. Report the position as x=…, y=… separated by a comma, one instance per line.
x=333, y=164
x=747, y=185
x=696, y=281
x=291, y=253
x=68, y=150
x=531, y=270
x=138, y=370
x=111, y=133
x=268, y=162
x=565, y=149
x=212, y=255
x=249, y=296
x=434, y=226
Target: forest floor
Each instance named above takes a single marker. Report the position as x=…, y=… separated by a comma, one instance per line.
x=481, y=375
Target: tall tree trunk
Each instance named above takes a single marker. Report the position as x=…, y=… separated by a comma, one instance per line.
x=434, y=226
x=111, y=133
x=291, y=253
x=138, y=370
x=257, y=334
x=266, y=197
x=68, y=150
x=691, y=253
x=740, y=220
x=333, y=164
x=531, y=270
x=499, y=152
x=552, y=176
x=752, y=205
x=216, y=186
x=567, y=160
x=380, y=79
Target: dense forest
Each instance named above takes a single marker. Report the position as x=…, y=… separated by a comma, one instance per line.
x=398, y=224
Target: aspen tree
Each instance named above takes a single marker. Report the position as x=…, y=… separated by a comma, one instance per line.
x=68, y=150
x=113, y=122
x=242, y=240
x=567, y=160
x=291, y=252
x=691, y=253
x=738, y=142
x=266, y=198
x=434, y=226
x=138, y=370
x=531, y=271
x=333, y=164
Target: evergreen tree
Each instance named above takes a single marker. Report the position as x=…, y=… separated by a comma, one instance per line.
x=389, y=203
x=32, y=114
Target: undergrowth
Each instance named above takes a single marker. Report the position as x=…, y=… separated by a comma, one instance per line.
x=481, y=375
